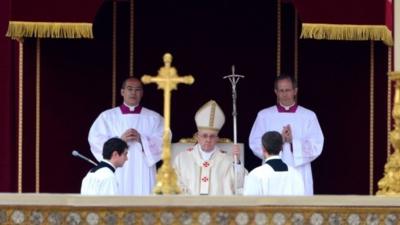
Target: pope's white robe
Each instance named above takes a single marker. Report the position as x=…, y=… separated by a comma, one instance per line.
x=307, y=140
x=215, y=176
x=264, y=180
x=100, y=182
x=137, y=176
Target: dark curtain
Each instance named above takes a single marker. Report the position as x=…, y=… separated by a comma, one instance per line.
x=206, y=38
x=53, y=11
x=7, y=99
x=342, y=11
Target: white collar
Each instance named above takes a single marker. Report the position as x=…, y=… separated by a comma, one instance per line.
x=287, y=107
x=131, y=108
x=108, y=162
x=272, y=157
x=206, y=155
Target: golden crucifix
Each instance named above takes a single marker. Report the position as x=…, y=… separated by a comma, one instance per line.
x=168, y=80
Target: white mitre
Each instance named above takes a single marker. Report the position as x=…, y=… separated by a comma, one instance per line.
x=210, y=116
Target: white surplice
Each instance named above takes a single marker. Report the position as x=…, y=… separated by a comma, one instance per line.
x=137, y=176
x=100, y=182
x=307, y=140
x=264, y=180
x=215, y=176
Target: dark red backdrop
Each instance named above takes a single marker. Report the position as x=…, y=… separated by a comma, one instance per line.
x=205, y=38
x=342, y=11
x=53, y=11
x=7, y=111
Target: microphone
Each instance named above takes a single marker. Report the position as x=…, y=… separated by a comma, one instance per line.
x=77, y=154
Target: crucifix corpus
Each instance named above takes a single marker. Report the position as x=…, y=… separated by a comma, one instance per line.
x=167, y=79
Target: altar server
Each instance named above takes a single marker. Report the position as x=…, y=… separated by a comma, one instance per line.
x=274, y=177
x=101, y=179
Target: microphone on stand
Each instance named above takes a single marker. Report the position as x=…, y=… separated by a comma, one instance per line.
x=77, y=154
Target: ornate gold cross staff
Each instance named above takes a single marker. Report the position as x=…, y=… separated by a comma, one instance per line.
x=168, y=80
x=390, y=183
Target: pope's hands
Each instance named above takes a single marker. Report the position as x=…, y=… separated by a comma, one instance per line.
x=236, y=151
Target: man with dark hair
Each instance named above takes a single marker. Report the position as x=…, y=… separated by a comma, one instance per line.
x=101, y=179
x=274, y=177
x=141, y=128
x=301, y=132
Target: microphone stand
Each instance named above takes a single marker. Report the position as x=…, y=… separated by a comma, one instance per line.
x=77, y=154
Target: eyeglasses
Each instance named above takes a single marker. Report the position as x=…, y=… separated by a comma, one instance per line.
x=205, y=136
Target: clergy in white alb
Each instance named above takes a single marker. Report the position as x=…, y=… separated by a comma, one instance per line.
x=205, y=169
x=302, y=134
x=142, y=129
x=101, y=179
x=274, y=178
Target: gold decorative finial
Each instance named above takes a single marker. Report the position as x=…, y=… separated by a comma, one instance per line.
x=390, y=183
x=167, y=79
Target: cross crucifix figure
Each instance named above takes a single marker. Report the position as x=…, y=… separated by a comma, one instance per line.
x=168, y=80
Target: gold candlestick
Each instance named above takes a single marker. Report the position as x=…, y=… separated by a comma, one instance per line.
x=390, y=183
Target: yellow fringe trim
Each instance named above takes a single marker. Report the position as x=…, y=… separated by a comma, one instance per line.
x=347, y=32
x=23, y=29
